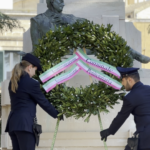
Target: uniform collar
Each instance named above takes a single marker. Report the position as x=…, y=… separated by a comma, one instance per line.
x=137, y=85
x=25, y=74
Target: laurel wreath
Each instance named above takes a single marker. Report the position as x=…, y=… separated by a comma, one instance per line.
x=105, y=44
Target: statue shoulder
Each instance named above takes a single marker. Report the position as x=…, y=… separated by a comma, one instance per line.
x=74, y=18
x=38, y=18
x=77, y=18
x=68, y=15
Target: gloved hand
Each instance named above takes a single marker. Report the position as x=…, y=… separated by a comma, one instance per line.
x=104, y=134
x=61, y=117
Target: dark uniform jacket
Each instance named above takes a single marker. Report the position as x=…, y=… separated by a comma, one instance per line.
x=137, y=102
x=23, y=105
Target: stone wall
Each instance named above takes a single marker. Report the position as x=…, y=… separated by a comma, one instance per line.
x=26, y=5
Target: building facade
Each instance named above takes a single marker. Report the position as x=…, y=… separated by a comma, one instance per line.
x=138, y=12
x=12, y=42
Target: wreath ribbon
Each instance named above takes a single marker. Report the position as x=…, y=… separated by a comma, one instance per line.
x=99, y=64
x=61, y=78
x=99, y=75
x=58, y=68
x=77, y=58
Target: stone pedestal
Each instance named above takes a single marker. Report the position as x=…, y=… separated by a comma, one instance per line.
x=75, y=134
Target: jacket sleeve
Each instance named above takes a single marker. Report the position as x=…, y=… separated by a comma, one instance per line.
x=121, y=117
x=39, y=97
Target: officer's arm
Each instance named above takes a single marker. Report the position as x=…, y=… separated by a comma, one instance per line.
x=39, y=97
x=35, y=33
x=121, y=117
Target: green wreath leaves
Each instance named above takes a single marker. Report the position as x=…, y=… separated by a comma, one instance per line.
x=106, y=45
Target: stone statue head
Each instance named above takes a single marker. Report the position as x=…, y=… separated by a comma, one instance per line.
x=55, y=5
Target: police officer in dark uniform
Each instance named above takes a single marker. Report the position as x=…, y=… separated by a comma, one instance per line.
x=137, y=103
x=25, y=94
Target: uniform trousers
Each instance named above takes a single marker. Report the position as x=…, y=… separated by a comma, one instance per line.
x=22, y=140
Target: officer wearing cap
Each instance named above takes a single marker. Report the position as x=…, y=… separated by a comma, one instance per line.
x=137, y=103
x=25, y=94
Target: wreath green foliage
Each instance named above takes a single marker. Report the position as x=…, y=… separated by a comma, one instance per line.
x=106, y=45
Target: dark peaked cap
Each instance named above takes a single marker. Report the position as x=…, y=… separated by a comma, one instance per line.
x=33, y=60
x=127, y=71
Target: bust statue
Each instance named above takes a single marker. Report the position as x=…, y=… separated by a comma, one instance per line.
x=53, y=16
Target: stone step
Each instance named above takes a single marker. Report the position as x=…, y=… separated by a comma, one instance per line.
x=75, y=141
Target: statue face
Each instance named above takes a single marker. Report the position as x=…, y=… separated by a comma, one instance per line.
x=58, y=5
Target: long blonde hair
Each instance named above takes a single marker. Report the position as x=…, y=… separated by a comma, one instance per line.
x=17, y=72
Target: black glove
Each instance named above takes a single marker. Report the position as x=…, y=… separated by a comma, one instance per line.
x=104, y=134
x=61, y=117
